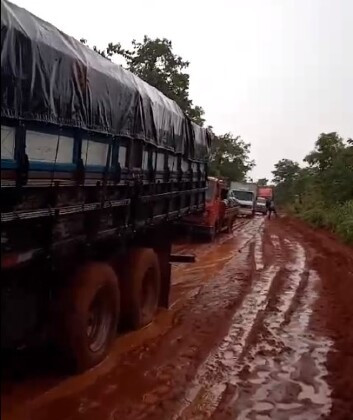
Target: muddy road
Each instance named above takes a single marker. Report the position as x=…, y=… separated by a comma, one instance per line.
x=260, y=327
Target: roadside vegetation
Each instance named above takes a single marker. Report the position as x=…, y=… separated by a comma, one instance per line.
x=321, y=193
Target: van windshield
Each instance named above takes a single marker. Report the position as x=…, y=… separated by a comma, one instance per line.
x=243, y=195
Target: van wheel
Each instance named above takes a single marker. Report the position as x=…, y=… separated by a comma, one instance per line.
x=140, y=287
x=88, y=315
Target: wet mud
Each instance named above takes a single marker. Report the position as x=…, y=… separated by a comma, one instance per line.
x=260, y=327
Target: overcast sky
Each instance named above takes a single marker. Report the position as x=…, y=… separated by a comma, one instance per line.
x=276, y=72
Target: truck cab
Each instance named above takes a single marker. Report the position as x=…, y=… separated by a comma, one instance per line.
x=261, y=205
x=246, y=200
x=220, y=211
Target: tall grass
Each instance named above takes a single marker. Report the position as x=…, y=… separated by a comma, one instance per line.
x=337, y=218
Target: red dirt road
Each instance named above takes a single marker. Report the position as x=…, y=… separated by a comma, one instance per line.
x=260, y=327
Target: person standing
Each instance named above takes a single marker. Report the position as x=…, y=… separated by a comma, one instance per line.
x=271, y=208
x=268, y=203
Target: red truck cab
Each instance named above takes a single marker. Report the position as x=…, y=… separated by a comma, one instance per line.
x=219, y=213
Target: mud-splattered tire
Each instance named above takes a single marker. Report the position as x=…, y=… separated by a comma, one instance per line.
x=88, y=315
x=211, y=235
x=140, y=287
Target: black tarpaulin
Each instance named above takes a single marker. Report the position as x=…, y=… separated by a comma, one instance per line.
x=50, y=77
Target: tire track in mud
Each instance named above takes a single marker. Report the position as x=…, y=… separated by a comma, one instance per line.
x=268, y=365
x=288, y=367
x=217, y=374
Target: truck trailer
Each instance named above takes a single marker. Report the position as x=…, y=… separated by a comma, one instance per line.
x=96, y=166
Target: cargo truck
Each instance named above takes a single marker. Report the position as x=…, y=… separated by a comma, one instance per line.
x=96, y=165
x=245, y=193
x=265, y=192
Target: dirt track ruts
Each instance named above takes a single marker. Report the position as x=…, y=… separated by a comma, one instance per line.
x=260, y=327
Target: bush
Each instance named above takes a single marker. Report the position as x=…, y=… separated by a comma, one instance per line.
x=338, y=219
x=341, y=220
x=345, y=230
x=316, y=217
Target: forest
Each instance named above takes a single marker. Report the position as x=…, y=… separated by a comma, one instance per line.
x=320, y=191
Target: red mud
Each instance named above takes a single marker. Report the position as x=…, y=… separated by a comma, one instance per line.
x=260, y=327
x=334, y=263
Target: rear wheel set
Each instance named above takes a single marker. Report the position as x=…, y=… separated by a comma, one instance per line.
x=97, y=297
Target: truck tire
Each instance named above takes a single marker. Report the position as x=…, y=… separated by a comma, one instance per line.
x=211, y=234
x=88, y=315
x=140, y=287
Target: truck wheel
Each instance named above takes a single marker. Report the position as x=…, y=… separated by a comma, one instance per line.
x=88, y=315
x=140, y=287
x=211, y=235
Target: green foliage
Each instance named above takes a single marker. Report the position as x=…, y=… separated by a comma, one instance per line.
x=284, y=175
x=262, y=182
x=337, y=218
x=285, y=170
x=327, y=147
x=321, y=194
x=230, y=157
x=154, y=62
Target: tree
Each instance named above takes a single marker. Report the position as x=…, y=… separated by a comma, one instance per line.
x=154, y=62
x=322, y=192
x=230, y=157
x=327, y=148
x=285, y=171
x=284, y=175
x=337, y=179
x=262, y=182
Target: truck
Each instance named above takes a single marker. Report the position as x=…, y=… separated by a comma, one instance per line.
x=220, y=212
x=96, y=167
x=265, y=192
x=245, y=193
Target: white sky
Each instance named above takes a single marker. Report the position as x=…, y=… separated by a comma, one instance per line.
x=276, y=72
